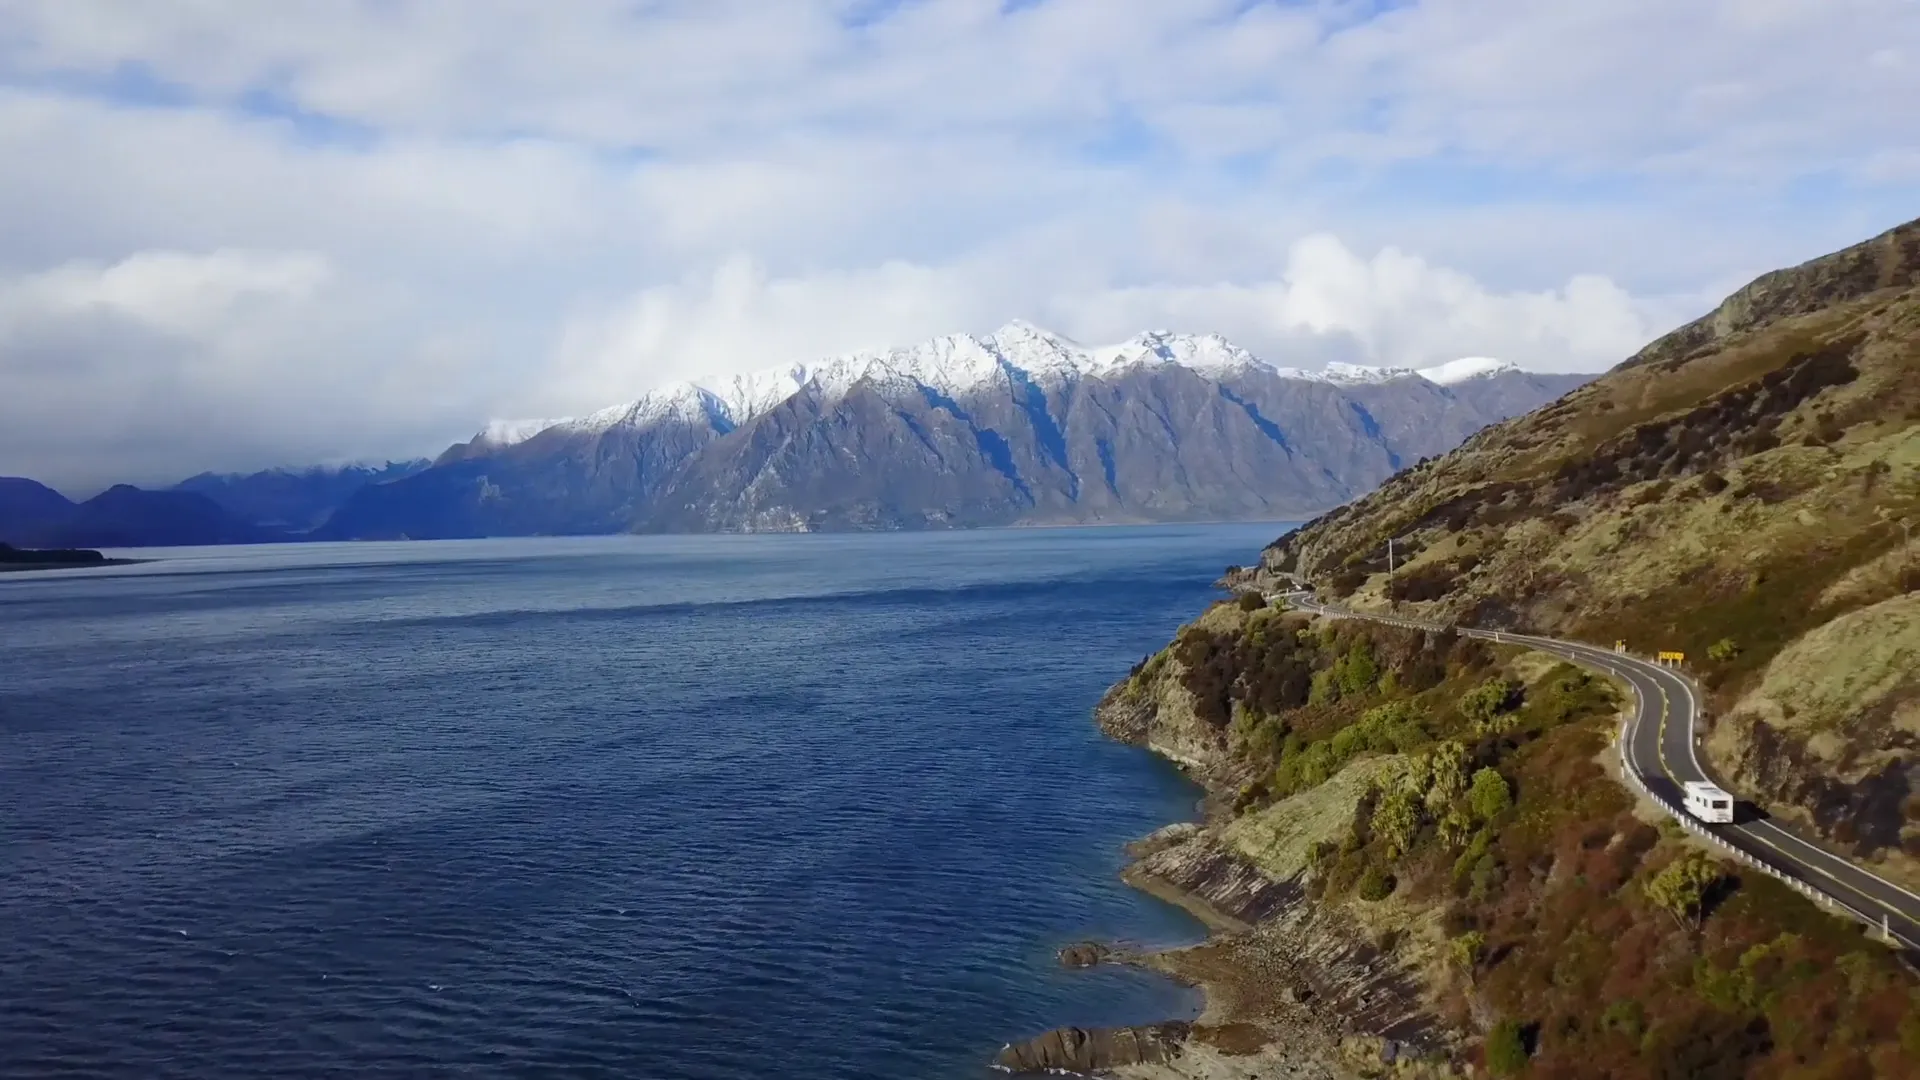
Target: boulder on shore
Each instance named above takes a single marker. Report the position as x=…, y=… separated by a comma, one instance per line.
x=1084, y=954
x=1086, y=1050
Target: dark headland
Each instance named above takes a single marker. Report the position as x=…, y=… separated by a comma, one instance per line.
x=13, y=558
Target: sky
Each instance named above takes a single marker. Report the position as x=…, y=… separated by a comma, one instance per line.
x=236, y=235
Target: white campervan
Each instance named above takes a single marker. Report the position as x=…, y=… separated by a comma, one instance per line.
x=1709, y=803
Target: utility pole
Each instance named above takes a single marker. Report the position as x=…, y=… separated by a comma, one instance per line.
x=1392, y=602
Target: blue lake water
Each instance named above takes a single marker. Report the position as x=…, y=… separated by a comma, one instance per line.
x=655, y=807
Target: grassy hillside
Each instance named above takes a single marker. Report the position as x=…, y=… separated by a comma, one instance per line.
x=1455, y=803
x=1737, y=492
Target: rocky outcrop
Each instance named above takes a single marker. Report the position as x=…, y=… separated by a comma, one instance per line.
x=1090, y=1050
x=1083, y=954
x=1225, y=882
x=1888, y=261
x=1152, y=708
x=1163, y=838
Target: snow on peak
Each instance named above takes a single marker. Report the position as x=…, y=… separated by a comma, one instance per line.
x=499, y=434
x=1209, y=354
x=1465, y=368
x=1362, y=375
x=961, y=363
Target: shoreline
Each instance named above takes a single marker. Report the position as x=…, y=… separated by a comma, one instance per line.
x=1289, y=988
x=1263, y=1016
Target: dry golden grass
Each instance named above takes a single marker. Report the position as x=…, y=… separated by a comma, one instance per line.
x=1278, y=838
x=1843, y=668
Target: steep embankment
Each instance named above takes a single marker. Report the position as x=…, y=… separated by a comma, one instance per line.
x=1415, y=851
x=1742, y=491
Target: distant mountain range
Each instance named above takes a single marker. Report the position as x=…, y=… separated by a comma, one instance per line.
x=33, y=515
x=297, y=500
x=1018, y=427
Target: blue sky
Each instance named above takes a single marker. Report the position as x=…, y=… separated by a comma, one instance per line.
x=245, y=234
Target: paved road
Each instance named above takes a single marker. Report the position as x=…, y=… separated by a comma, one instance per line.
x=1659, y=746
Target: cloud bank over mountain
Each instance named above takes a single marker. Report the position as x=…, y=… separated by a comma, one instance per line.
x=242, y=236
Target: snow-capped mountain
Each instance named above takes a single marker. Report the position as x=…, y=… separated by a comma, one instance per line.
x=1021, y=425
x=959, y=364
x=1454, y=372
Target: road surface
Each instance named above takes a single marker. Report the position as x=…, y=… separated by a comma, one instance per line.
x=1659, y=746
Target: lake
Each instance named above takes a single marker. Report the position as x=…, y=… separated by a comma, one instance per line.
x=660, y=807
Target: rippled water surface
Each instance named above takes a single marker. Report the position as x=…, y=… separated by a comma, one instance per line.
x=719, y=807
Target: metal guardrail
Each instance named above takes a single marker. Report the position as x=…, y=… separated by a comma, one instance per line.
x=1688, y=822
x=1819, y=896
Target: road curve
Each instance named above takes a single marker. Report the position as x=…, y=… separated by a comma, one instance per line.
x=1658, y=747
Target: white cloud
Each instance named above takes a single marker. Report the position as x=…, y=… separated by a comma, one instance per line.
x=1328, y=303
x=243, y=234
x=150, y=368
x=165, y=290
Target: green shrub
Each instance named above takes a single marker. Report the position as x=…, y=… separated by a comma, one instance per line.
x=1490, y=797
x=1488, y=700
x=1251, y=601
x=1682, y=889
x=1506, y=1050
x=1625, y=1018
x=1325, y=688
x=1397, y=821
x=1476, y=850
x=1375, y=884
x=1485, y=877
x=1465, y=951
x=1355, y=672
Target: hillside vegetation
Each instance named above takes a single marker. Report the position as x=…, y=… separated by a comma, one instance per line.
x=1744, y=491
x=1450, y=803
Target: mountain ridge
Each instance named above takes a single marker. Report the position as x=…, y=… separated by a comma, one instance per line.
x=121, y=516
x=1022, y=426
x=295, y=498
x=963, y=362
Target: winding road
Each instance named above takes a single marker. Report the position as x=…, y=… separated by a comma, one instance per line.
x=1658, y=747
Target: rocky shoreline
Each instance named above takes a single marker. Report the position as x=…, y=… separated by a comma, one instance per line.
x=1291, y=990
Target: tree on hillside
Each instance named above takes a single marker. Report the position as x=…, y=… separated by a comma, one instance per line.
x=1465, y=951
x=1397, y=821
x=1488, y=700
x=1357, y=670
x=1490, y=797
x=1683, y=888
x=1506, y=1049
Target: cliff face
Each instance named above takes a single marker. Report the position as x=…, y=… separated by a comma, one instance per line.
x=1743, y=491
